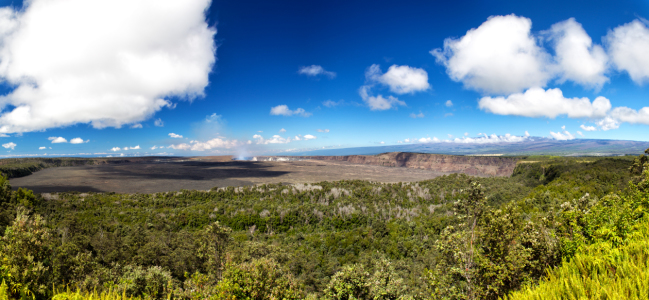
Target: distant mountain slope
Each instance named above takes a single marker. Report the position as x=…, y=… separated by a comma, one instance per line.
x=533, y=145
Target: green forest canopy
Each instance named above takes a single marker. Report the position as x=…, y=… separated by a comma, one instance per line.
x=452, y=237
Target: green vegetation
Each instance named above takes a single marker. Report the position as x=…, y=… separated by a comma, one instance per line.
x=19, y=167
x=557, y=227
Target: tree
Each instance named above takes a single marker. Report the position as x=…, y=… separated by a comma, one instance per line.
x=259, y=279
x=24, y=254
x=212, y=243
x=352, y=282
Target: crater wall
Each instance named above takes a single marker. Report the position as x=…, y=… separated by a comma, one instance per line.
x=470, y=165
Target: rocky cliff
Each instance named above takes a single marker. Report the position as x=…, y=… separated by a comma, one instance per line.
x=470, y=165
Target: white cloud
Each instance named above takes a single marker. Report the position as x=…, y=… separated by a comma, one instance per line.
x=56, y=140
x=283, y=110
x=213, y=144
x=629, y=115
x=450, y=136
x=309, y=137
x=562, y=136
x=419, y=115
x=116, y=149
x=400, y=79
x=563, y=127
x=527, y=134
x=276, y=139
x=449, y=103
x=115, y=60
x=580, y=134
x=380, y=103
x=448, y=115
x=407, y=140
x=137, y=125
x=42, y=148
x=175, y=136
x=381, y=142
x=486, y=139
x=429, y=140
x=78, y=140
x=587, y=128
x=315, y=70
x=577, y=58
x=490, y=139
x=500, y=56
x=158, y=123
x=134, y=148
x=282, y=130
x=10, y=145
x=466, y=134
x=330, y=103
x=322, y=130
x=154, y=147
x=537, y=102
x=628, y=46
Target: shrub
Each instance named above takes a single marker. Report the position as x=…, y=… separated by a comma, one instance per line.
x=259, y=279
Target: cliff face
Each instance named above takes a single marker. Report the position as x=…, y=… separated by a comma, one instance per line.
x=470, y=165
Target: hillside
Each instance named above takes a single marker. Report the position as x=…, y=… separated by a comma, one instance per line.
x=470, y=165
x=451, y=237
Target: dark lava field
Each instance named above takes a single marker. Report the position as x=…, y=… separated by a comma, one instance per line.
x=204, y=174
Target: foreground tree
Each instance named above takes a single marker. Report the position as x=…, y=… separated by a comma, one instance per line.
x=24, y=255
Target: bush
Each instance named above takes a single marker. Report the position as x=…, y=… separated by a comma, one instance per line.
x=151, y=282
x=259, y=279
x=353, y=282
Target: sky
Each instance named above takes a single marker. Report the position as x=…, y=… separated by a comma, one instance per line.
x=200, y=77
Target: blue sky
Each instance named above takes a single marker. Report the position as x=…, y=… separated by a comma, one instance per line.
x=250, y=77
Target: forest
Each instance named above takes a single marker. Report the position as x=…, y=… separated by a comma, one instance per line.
x=558, y=228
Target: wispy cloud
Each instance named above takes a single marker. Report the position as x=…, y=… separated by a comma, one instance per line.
x=283, y=110
x=213, y=144
x=562, y=136
x=331, y=103
x=315, y=70
x=484, y=139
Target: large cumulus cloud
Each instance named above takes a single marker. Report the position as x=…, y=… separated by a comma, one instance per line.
x=106, y=62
